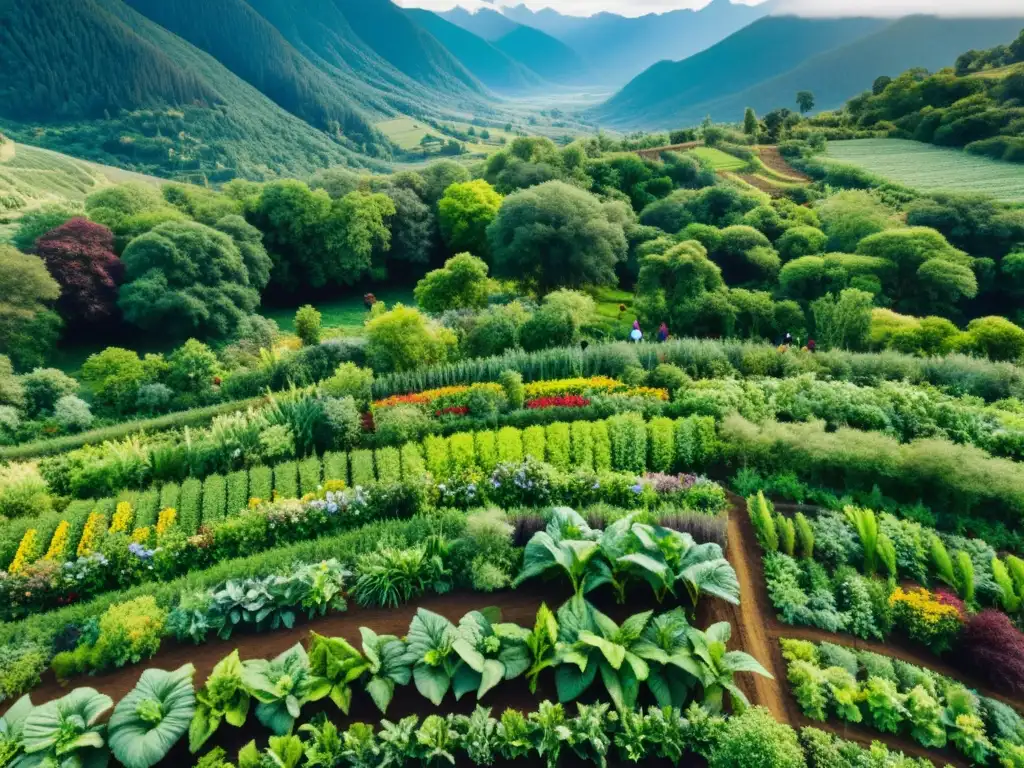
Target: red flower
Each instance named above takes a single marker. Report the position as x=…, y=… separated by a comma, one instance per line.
x=562, y=401
x=455, y=410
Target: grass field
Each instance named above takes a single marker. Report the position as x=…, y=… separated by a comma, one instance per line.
x=932, y=169
x=717, y=159
x=407, y=132
x=346, y=313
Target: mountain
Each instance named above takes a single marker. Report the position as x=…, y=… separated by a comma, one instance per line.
x=485, y=23
x=495, y=68
x=97, y=80
x=768, y=47
x=764, y=65
x=550, y=58
x=617, y=48
x=393, y=35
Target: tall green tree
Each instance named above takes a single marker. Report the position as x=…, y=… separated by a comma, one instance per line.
x=750, y=122
x=805, y=101
x=29, y=328
x=186, y=279
x=842, y=322
x=461, y=284
x=464, y=213
x=557, y=236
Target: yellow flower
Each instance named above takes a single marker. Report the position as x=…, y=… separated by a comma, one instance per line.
x=122, y=518
x=141, y=535
x=25, y=553
x=166, y=520
x=94, y=528
x=59, y=542
x=924, y=604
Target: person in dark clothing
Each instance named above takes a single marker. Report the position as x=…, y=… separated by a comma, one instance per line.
x=811, y=345
x=663, y=333
x=788, y=340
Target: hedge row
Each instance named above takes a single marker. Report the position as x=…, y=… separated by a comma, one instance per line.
x=625, y=442
x=710, y=358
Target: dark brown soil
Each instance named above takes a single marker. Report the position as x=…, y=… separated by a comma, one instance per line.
x=771, y=157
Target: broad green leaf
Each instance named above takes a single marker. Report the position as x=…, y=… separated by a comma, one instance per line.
x=494, y=673
x=431, y=682
x=614, y=653
x=135, y=739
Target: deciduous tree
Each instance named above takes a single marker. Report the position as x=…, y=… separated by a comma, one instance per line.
x=461, y=284
x=28, y=327
x=464, y=213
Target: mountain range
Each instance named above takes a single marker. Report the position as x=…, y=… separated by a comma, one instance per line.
x=764, y=65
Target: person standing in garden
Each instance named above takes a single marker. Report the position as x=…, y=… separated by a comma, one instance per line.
x=636, y=334
x=663, y=333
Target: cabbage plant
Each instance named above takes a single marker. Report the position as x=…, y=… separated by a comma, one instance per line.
x=337, y=662
x=67, y=732
x=152, y=717
x=389, y=665
x=12, y=726
x=432, y=654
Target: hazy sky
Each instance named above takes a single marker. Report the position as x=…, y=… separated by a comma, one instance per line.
x=804, y=7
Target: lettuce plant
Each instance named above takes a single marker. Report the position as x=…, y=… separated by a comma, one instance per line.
x=490, y=653
x=67, y=732
x=925, y=716
x=282, y=686
x=326, y=746
x=398, y=742
x=514, y=735
x=552, y=731
x=281, y=752
x=589, y=733
x=359, y=748
x=337, y=662
x=152, y=717
x=478, y=735
x=437, y=739
x=224, y=697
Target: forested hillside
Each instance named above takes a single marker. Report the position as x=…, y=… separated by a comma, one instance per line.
x=74, y=60
x=767, y=63
x=495, y=68
x=976, y=104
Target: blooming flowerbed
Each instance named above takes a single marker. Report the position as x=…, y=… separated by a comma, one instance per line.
x=441, y=400
x=561, y=401
x=592, y=385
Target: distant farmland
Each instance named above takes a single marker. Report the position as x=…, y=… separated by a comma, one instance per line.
x=928, y=168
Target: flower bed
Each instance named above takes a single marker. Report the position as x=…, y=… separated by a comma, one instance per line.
x=558, y=401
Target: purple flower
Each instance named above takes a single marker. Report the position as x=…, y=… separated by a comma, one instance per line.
x=637, y=488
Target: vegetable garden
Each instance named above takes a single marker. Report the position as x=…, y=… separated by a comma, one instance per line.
x=534, y=559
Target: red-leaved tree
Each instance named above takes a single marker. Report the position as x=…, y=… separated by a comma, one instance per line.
x=80, y=256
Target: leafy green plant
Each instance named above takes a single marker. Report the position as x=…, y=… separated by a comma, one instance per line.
x=432, y=653
x=491, y=652
x=12, y=726
x=885, y=703
x=334, y=660
x=282, y=686
x=514, y=735
x=67, y=731
x=437, y=739
x=224, y=697
x=358, y=747
x=398, y=741
x=578, y=558
x=392, y=577
x=673, y=670
x=965, y=727
x=281, y=752
x=590, y=643
x=541, y=644
x=718, y=666
x=389, y=665
x=326, y=746
x=551, y=731
x=152, y=717
x=763, y=519
x=588, y=733
x=478, y=735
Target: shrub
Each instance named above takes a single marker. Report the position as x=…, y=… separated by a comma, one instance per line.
x=661, y=437
x=994, y=650
x=435, y=452
x=755, y=740
x=389, y=465
x=129, y=632
x=362, y=468
x=238, y=492
x=308, y=325
x=286, y=480
x=343, y=420
x=696, y=443
x=557, y=445
x=215, y=499
x=261, y=483
x=512, y=383
x=336, y=466
x=413, y=466
x=72, y=414
x=485, y=444
x=22, y=491
x=929, y=618
x=170, y=494
x=581, y=445
x=628, y=434
x=349, y=380
x=533, y=442
x=510, y=445
x=602, y=446
x=309, y=475
x=189, y=506
x=146, y=510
